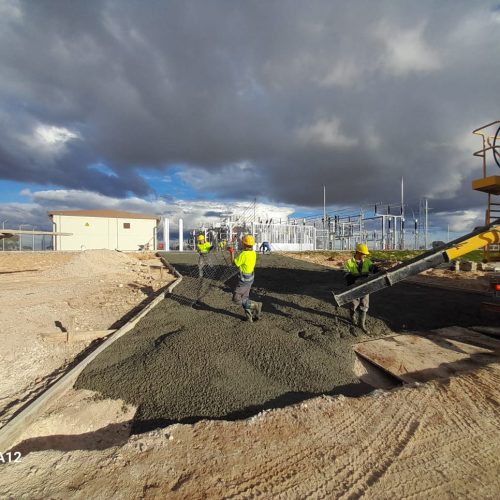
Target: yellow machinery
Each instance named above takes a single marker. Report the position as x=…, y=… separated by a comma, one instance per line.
x=479, y=238
x=489, y=184
x=487, y=237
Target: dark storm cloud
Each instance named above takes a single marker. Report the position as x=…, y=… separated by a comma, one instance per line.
x=270, y=99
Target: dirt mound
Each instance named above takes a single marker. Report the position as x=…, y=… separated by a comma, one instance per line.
x=91, y=263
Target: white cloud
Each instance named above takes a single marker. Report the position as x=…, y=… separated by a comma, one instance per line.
x=193, y=213
x=241, y=177
x=462, y=221
x=406, y=51
x=49, y=134
x=48, y=142
x=326, y=133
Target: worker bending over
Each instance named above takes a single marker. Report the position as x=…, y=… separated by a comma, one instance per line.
x=245, y=262
x=265, y=247
x=356, y=267
x=203, y=248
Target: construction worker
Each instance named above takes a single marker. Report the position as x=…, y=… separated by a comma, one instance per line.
x=356, y=267
x=203, y=248
x=265, y=247
x=222, y=245
x=245, y=262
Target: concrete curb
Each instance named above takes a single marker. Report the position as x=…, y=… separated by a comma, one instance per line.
x=174, y=271
x=14, y=428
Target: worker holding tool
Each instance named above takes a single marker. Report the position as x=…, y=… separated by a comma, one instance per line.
x=203, y=248
x=245, y=262
x=357, y=267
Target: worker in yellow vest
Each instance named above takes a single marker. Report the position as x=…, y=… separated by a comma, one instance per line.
x=203, y=248
x=356, y=267
x=245, y=262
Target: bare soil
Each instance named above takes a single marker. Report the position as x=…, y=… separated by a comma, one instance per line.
x=433, y=440
x=436, y=440
x=474, y=281
x=44, y=292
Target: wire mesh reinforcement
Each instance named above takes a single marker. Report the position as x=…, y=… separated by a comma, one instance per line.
x=213, y=267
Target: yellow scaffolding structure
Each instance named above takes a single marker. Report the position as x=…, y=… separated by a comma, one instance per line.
x=489, y=184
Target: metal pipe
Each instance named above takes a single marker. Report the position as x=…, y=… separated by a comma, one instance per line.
x=20, y=236
x=3, y=239
x=166, y=234
x=181, y=235
x=426, y=223
x=402, y=216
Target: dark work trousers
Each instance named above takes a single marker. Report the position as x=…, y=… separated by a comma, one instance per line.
x=202, y=262
x=363, y=303
x=241, y=293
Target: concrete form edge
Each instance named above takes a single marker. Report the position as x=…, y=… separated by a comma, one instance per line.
x=14, y=428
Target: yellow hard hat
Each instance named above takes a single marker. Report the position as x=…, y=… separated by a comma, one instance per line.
x=201, y=238
x=362, y=248
x=248, y=240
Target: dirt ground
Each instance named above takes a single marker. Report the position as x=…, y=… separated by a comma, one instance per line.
x=435, y=440
x=444, y=277
x=91, y=290
x=244, y=394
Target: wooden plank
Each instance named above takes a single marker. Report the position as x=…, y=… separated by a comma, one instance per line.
x=413, y=358
x=373, y=375
x=468, y=337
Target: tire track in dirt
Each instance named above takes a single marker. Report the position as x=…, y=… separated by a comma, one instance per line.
x=386, y=443
x=275, y=469
x=473, y=443
x=284, y=480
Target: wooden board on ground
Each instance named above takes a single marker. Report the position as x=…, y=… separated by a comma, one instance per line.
x=415, y=358
x=468, y=336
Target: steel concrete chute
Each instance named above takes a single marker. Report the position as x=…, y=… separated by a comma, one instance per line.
x=479, y=238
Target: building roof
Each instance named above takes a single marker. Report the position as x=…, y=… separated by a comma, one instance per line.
x=111, y=214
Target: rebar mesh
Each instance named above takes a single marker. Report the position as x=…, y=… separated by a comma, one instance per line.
x=216, y=267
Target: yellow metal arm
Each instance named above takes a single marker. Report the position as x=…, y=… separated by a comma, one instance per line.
x=480, y=237
x=490, y=237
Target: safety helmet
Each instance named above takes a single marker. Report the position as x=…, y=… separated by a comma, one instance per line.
x=362, y=248
x=201, y=237
x=248, y=240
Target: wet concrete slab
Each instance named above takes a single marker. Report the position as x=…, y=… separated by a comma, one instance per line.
x=183, y=363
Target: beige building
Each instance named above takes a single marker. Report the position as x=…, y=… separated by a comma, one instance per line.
x=96, y=229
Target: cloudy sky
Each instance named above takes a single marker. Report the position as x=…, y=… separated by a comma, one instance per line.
x=184, y=106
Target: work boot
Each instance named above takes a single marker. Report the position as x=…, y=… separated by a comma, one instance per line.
x=257, y=309
x=362, y=322
x=354, y=317
x=249, y=314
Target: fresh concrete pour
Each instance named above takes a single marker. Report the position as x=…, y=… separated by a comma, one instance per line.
x=183, y=364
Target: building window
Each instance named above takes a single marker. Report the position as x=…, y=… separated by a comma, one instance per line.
x=126, y=225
